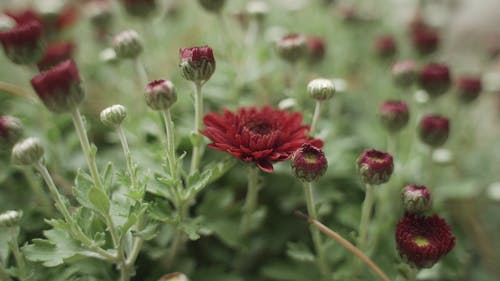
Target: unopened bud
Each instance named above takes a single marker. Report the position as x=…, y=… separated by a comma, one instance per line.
x=309, y=163
x=127, y=44
x=394, y=115
x=292, y=47
x=404, y=73
x=160, y=94
x=176, y=276
x=416, y=199
x=435, y=79
x=197, y=63
x=469, y=88
x=375, y=167
x=11, y=130
x=213, y=6
x=27, y=152
x=10, y=218
x=321, y=89
x=114, y=115
x=434, y=130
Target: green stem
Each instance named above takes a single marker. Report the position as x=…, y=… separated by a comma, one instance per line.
x=14, y=247
x=412, y=275
x=392, y=144
x=128, y=157
x=365, y=217
x=141, y=72
x=87, y=151
x=198, y=115
x=311, y=210
x=61, y=207
x=40, y=195
x=3, y=273
x=90, y=157
x=178, y=241
x=317, y=111
x=250, y=200
x=169, y=127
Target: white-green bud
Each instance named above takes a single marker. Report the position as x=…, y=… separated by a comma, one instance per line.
x=176, y=276
x=127, y=44
x=114, y=115
x=10, y=218
x=27, y=152
x=258, y=9
x=321, y=89
x=160, y=94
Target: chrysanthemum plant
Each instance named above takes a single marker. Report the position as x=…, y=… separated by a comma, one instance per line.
x=148, y=214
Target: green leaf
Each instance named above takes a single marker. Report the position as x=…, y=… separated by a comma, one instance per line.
x=192, y=228
x=299, y=252
x=149, y=232
x=99, y=200
x=219, y=168
x=107, y=175
x=196, y=182
x=83, y=185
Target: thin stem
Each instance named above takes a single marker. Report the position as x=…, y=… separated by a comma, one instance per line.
x=311, y=210
x=250, y=200
x=178, y=241
x=169, y=127
x=36, y=188
x=141, y=72
x=61, y=207
x=365, y=217
x=198, y=115
x=392, y=143
x=317, y=111
x=128, y=157
x=84, y=140
x=14, y=247
x=90, y=157
x=346, y=244
x=412, y=275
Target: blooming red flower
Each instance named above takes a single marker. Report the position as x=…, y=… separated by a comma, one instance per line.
x=56, y=53
x=422, y=241
x=23, y=44
x=262, y=135
x=59, y=87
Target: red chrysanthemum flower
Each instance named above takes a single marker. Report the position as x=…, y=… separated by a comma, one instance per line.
x=263, y=136
x=422, y=241
x=56, y=53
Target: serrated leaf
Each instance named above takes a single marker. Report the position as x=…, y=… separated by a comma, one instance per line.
x=191, y=228
x=149, y=232
x=299, y=252
x=83, y=185
x=196, y=182
x=107, y=175
x=99, y=200
x=219, y=168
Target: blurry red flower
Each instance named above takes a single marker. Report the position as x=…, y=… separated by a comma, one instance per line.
x=56, y=53
x=263, y=136
x=316, y=49
x=385, y=46
x=23, y=44
x=422, y=241
x=469, y=88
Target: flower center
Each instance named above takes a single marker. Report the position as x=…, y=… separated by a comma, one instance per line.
x=260, y=127
x=421, y=241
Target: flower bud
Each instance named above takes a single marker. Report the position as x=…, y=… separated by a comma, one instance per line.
x=469, y=88
x=425, y=40
x=404, y=73
x=197, y=63
x=321, y=89
x=385, y=46
x=309, y=163
x=213, y=6
x=258, y=9
x=127, y=44
x=10, y=218
x=23, y=44
x=114, y=115
x=375, y=167
x=139, y=8
x=316, y=49
x=11, y=130
x=434, y=130
x=160, y=94
x=176, y=276
x=27, y=152
x=394, y=115
x=291, y=47
x=55, y=54
x=435, y=79
x=59, y=88
x=416, y=199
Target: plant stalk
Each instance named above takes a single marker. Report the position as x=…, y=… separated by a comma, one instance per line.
x=14, y=247
x=317, y=111
x=198, y=115
x=366, y=217
x=318, y=245
x=128, y=156
x=169, y=127
x=250, y=200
